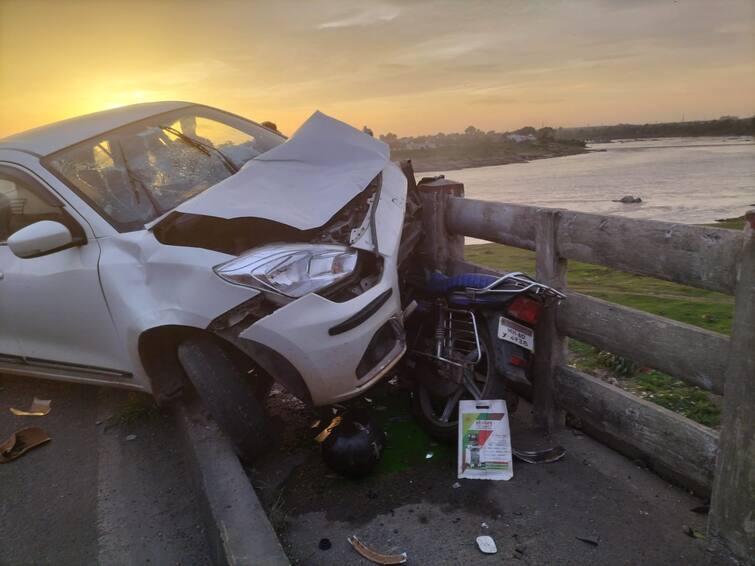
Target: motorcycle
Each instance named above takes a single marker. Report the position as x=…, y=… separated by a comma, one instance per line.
x=470, y=336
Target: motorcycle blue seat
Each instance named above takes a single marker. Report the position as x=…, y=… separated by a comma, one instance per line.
x=440, y=284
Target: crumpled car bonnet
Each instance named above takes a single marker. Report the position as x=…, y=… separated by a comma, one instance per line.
x=302, y=182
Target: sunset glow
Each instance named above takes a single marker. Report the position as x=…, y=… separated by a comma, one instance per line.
x=408, y=67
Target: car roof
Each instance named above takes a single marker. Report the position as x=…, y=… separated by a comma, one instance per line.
x=53, y=137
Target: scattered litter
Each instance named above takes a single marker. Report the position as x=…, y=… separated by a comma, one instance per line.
x=39, y=408
x=456, y=485
x=131, y=437
x=692, y=533
x=324, y=544
x=484, y=526
x=589, y=540
x=540, y=456
x=98, y=423
x=701, y=509
x=376, y=557
x=486, y=544
x=429, y=455
x=21, y=442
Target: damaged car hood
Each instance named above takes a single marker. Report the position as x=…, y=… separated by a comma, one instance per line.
x=303, y=182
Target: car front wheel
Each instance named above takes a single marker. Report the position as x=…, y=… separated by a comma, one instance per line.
x=228, y=393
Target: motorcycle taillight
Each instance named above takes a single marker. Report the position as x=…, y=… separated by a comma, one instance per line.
x=525, y=309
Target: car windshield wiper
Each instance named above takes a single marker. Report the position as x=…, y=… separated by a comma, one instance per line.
x=134, y=178
x=201, y=146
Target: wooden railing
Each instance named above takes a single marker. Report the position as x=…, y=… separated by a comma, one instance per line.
x=708, y=258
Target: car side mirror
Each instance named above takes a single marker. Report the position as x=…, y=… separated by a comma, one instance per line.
x=40, y=238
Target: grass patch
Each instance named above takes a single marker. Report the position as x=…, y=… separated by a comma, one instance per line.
x=705, y=309
x=138, y=407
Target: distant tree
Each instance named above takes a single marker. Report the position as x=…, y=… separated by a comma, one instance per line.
x=526, y=131
x=367, y=131
x=546, y=134
x=472, y=131
x=389, y=138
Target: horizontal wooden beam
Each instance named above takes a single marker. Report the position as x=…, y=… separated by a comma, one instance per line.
x=691, y=255
x=690, y=353
x=510, y=224
x=672, y=445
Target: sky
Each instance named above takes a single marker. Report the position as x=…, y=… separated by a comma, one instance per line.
x=408, y=67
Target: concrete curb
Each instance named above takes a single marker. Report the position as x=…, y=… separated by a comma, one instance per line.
x=238, y=530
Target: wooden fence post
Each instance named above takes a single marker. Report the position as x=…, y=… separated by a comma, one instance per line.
x=731, y=522
x=550, y=344
x=440, y=250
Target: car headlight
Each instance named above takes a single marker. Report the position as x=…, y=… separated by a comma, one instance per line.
x=290, y=269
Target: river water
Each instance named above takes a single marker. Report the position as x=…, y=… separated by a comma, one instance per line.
x=688, y=180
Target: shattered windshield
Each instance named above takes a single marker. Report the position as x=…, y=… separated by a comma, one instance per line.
x=136, y=173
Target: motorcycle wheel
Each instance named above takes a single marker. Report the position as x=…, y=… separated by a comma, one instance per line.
x=438, y=415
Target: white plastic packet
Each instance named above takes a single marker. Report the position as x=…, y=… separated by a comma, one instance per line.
x=484, y=441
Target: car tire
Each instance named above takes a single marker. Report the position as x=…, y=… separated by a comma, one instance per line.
x=227, y=393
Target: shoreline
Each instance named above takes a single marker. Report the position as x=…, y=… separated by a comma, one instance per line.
x=425, y=161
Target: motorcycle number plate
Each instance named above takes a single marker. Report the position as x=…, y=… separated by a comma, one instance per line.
x=516, y=333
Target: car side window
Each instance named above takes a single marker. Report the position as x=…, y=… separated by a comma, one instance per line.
x=20, y=206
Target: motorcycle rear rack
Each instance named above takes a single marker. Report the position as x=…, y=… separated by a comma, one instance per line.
x=521, y=282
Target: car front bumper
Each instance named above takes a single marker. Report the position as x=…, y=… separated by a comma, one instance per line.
x=338, y=350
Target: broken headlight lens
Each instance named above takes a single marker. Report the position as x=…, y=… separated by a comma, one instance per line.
x=290, y=269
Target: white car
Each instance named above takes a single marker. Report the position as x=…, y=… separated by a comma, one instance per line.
x=146, y=244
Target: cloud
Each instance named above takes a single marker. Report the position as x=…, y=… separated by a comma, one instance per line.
x=379, y=13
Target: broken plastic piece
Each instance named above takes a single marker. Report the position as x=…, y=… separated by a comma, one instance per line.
x=376, y=557
x=540, y=456
x=21, y=442
x=39, y=408
x=456, y=485
x=693, y=533
x=486, y=544
x=589, y=540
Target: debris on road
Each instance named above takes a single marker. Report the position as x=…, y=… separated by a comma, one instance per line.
x=456, y=485
x=540, y=456
x=324, y=544
x=589, y=540
x=692, y=533
x=38, y=408
x=131, y=437
x=373, y=556
x=486, y=544
x=21, y=442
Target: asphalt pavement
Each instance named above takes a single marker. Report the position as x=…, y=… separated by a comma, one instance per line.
x=111, y=488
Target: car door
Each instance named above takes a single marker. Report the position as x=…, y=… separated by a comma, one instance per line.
x=53, y=309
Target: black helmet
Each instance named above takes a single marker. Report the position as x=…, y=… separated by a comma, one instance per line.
x=354, y=443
